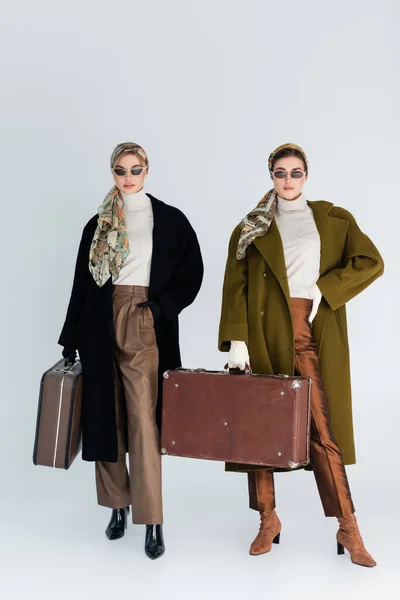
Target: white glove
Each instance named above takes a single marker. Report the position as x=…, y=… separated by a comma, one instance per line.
x=316, y=298
x=238, y=356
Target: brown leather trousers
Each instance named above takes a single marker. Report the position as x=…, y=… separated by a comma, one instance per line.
x=325, y=457
x=136, y=383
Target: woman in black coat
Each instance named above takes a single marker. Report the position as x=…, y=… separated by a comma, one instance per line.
x=139, y=265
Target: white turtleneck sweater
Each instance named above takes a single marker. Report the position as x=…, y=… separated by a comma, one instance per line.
x=139, y=222
x=302, y=249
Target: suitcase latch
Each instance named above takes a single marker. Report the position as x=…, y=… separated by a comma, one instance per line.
x=296, y=384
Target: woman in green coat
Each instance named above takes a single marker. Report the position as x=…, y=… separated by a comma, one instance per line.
x=292, y=266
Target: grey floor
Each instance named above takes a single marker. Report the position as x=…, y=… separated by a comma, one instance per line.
x=53, y=543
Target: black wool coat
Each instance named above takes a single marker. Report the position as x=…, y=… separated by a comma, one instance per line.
x=175, y=279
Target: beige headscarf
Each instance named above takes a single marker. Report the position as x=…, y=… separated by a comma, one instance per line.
x=110, y=245
x=258, y=221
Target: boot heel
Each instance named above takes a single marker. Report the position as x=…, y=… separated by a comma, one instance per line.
x=277, y=538
x=340, y=548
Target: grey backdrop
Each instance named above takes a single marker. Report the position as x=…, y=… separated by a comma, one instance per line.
x=209, y=88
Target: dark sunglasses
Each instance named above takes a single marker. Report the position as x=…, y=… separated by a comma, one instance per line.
x=135, y=171
x=283, y=174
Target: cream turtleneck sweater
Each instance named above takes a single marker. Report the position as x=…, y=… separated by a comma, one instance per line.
x=302, y=249
x=139, y=222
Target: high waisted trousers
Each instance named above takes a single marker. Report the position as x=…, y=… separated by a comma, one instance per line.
x=136, y=381
x=325, y=457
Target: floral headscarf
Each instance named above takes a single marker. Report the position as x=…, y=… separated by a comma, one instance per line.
x=258, y=221
x=110, y=245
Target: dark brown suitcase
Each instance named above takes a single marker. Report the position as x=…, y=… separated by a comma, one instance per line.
x=248, y=419
x=58, y=426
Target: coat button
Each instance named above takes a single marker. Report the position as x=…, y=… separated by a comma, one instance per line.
x=262, y=313
x=264, y=275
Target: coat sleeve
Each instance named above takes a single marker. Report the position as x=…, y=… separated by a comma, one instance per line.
x=78, y=295
x=233, y=323
x=188, y=276
x=361, y=265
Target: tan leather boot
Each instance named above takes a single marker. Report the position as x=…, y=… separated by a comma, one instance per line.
x=349, y=537
x=269, y=533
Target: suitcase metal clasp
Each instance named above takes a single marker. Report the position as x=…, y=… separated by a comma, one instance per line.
x=65, y=370
x=296, y=384
x=292, y=464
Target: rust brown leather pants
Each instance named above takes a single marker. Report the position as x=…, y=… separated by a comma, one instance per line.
x=136, y=382
x=325, y=456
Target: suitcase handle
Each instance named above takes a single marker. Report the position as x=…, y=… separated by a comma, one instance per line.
x=67, y=367
x=247, y=370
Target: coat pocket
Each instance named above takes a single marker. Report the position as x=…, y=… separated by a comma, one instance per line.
x=339, y=326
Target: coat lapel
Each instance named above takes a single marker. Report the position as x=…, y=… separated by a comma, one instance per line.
x=332, y=233
x=158, y=244
x=104, y=296
x=271, y=248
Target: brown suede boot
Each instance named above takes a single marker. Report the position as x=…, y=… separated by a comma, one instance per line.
x=270, y=531
x=349, y=537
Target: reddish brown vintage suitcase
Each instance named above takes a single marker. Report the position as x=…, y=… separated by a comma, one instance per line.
x=58, y=427
x=249, y=419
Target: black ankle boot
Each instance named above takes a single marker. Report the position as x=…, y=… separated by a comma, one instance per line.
x=118, y=523
x=154, y=543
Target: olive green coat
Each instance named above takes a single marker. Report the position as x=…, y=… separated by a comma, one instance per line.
x=256, y=308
